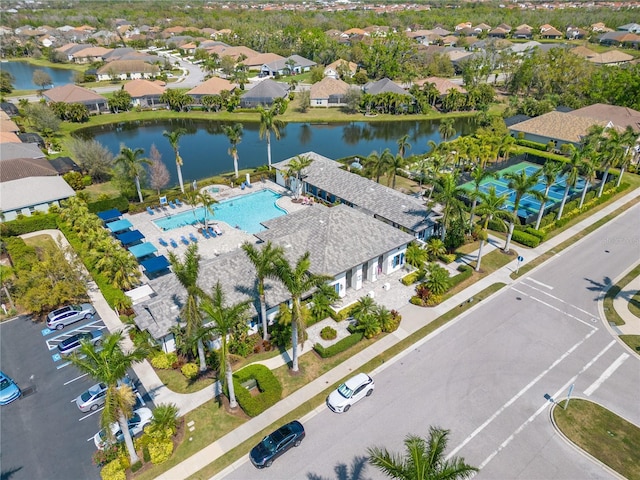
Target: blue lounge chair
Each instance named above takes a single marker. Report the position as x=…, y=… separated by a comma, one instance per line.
x=174, y=244
x=178, y=202
x=162, y=242
x=171, y=204
x=193, y=238
x=216, y=229
x=205, y=234
x=150, y=211
x=211, y=232
x=184, y=240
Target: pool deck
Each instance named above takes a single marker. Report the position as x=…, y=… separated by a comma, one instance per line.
x=231, y=239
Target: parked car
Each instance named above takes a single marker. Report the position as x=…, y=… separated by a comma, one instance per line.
x=140, y=419
x=94, y=397
x=350, y=392
x=72, y=343
x=64, y=316
x=9, y=390
x=276, y=443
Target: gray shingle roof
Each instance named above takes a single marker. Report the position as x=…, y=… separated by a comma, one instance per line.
x=266, y=89
x=9, y=151
x=384, y=85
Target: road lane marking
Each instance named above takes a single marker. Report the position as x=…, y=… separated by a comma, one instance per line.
x=74, y=379
x=518, y=395
x=539, y=283
x=606, y=374
x=563, y=301
x=544, y=406
x=90, y=414
x=554, y=308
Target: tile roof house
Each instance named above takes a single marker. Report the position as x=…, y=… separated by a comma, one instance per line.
x=551, y=33
x=145, y=93
x=127, y=70
x=27, y=195
x=213, y=86
x=71, y=93
x=630, y=27
x=9, y=137
x=612, y=57
x=621, y=117
x=340, y=67
x=257, y=61
x=89, y=55
x=293, y=63
x=583, y=52
x=23, y=160
x=264, y=93
x=523, y=31
x=443, y=85
x=329, y=92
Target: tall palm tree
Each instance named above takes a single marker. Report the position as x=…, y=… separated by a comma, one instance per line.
x=403, y=145
x=628, y=138
x=448, y=194
x=131, y=162
x=571, y=171
x=225, y=322
x=174, y=139
x=269, y=124
x=589, y=174
x=491, y=206
x=378, y=163
x=207, y=201
x=263, y=260
x=550, y=172
x=187, y=272
x=522, y=184
x=298, y=280
x=234, y=134
x=295, y=167
x=423, y=459
x=478, y=176
x=395, y=164
x=108, y=365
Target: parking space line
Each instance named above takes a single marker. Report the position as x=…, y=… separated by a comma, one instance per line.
x=74, y=379
x=63, y=365
x=556, y=309
x=90, y=414
x=52, y=343
x=606, y=374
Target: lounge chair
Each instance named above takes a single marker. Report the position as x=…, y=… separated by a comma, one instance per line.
x=150, y=211
x=162, y=242
x=178, y=202
x=171, y=204
x=173, y=243
x=212, y=233
x=216, y=229
x=193, y=238
x=205, y=234
x=184, y=240
x=242, y=186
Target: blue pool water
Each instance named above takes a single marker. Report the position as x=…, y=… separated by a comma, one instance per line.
x=247, y=212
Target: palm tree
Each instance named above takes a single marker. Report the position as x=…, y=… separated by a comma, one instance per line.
x=403, y=145
x=550, y=171
x=628, y=138
x=207, y=201
x=226, y=320
x=522, y=184
x=571, y=171
x=295, y=167
x=234, y=134
x=378, y=163
x=491, y=206
x=423, y=459
x=589, y=175
x=109, y=365
x=263, y=260
x=478, y=176
x=187, y=272
x=395, y=164
x=174, y=139
x=448, y=194
x=269, y=124
x=132, y=164
x=434, y=248
x=446, y=128
x=298, y=280
x=416, y=255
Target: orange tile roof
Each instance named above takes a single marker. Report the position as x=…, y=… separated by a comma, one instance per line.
x=213, y=86
x=140, y=88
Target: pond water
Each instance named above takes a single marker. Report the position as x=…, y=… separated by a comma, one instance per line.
x=204, y=148
x=22, y=73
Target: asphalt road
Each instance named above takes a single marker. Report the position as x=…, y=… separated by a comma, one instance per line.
x=485, y=377
x=43, y=435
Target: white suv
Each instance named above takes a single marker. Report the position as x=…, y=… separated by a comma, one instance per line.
x=350, y=392
x=64, y=316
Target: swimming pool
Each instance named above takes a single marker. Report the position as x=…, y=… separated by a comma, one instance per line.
x=246, y=211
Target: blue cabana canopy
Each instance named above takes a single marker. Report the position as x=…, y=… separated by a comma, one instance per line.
x=109, y=215
x=143, y=250
x=155, y=264
x=119, y=225
x=132, y=236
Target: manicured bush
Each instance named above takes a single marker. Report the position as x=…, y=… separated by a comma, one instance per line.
x=548, y=219
x=525, y=239
x=536, y=233
x=328, y=333
x=160, y=450
x=465, y=272
x=339, y=346
x=164, y=361
x=415, y=300
x=136, y=466
x=268, y=384
x=113, y=471
x=447, y=258
x=342, y=314
x=535, y=145
x=33, y=223
x=23, y=256
x=189, y=370
x=74, y=179
x=121, y=203
x=497, y=226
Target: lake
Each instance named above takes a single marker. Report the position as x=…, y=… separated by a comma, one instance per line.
x=204, y=148
x=22, y=73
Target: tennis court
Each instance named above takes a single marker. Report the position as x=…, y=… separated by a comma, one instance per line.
x=528, y=204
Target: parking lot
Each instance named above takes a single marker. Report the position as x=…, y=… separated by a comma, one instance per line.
x=44, y=434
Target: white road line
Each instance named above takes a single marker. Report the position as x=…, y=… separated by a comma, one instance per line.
x=554, y=308
x=518, y=395
x=606, y=374
x=563, y=301
x=74, y=379
x=544, y=406
x=539, y=283
x=92, y=413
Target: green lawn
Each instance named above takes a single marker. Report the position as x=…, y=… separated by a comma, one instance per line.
x=634, y=305
x=601, y=433
x=633, y=341
x=176, y=381
x=610, y=312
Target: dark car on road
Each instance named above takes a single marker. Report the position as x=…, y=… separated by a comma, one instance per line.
x=72, y=343
x=276, y=443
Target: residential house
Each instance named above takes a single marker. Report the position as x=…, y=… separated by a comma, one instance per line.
x=443, y=85
x=257, y=61
x=377, y=31
x=145, y=93
x=355, y=32
x=462, y=26
x=630, y=27
x=498, y=32
x=583, y=52
x=27, y=195
x=89, y=55
x=384, y=85
x=481, y=27
x=127, y=70
x=621, y=117
x=576, y=33
x=551, y=33
x=523, y=31
x=213, y=86
x=438, y=30
x=339, y=68
x=619, y=38
x=612, y=57
x=292, y=65
x=71, y=93
x=264, y=93
x=424, y=37
x=329, y=92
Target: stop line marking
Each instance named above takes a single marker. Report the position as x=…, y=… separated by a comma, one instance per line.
x=555, y=308
x=606, y=374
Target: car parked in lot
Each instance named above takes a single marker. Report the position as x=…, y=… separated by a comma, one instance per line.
x=94, y=397
x=64, y=316
x=140, y=419
x=350, y=392
x=72, y=343
x=277, y=443
x=9, y=390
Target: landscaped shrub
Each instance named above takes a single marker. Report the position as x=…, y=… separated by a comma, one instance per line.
x=159, y=444
x=189, y=370
x=391, y=322
x=535, y=145
x=548, y=219
x=113, y=471
x=121, y=203
x=33, y=223
x=536, y=233
x=328, y=333
x=339, y=346
x=497, y=226
x=525, y=239
x=465, y=272
x=447, y=258
x=74, y=179
x=164, y=361
x=342, y=314
x=410, y=278
x=23, y=256
x=268, y=384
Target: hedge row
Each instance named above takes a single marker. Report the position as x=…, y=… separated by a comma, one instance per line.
x=410, y=278
x=342, y=314
x=497, y=226
x=268, y=384
x=36, y=222
x=525, y=239
x=465, y=272
x=535, y=145
x=121, y=203
x=338, y=347
x=22, y=255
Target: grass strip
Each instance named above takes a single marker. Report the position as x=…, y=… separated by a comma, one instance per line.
x=632, y=341
x=601, y=433
x=607, y=304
